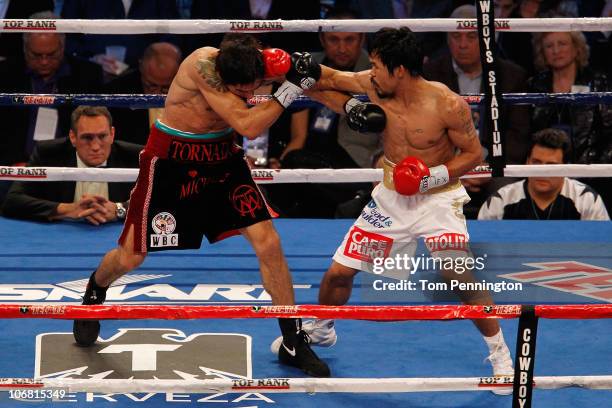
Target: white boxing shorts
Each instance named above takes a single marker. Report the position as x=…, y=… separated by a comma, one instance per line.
x=391, y=224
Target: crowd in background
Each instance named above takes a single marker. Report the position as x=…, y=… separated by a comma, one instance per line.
x=52, y=63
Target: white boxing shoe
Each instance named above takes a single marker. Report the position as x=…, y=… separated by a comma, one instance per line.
x=321, y=332
x=501, y=361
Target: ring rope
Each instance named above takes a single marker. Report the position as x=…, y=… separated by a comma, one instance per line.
x=384, y=313
x=144, y=101
x=378, y=313
x=269, y=176
x=224, y=26
x=300, y=385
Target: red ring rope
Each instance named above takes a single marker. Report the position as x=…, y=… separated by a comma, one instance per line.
x=383, y=313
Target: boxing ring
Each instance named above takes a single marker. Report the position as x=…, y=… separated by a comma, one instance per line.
x=170, y=334
x=43, y=265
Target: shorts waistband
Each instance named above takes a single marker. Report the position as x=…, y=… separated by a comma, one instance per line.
x=388, y=167
x=175, y=132
x=210, y=148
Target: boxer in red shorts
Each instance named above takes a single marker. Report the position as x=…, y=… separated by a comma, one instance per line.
x=194, y=181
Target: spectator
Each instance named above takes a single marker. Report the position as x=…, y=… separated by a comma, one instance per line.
x=327, y=141
x=329, y=133
x=258, y=10
x=600, y=41
x=461, y=71
x=90, y=45
x=90, y=144
x=11, y=44
x=546, y=198
x=504, y=8
x=385, y=8
x=155, y=73
x=562, y=59
x=517, y=47
x=47, y=70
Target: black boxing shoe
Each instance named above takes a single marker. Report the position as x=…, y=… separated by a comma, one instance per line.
x=86, y=331
x=301, y=356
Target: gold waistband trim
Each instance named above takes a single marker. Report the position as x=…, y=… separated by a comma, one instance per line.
x=388, y=167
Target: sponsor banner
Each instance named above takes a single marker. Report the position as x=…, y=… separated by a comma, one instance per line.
x=504, y=381
x=161, y=354
x=367, y=246
x=525, y=358
x=571, y=277
x=43, y=309
x=261, y=384
x=256, y=25
x=153, y=353
x=263, y=175
x=472, y=25
x=246, y=200
x=202, y=152
x=163, y=225
x=373, y=216
x=491, y=129
x=195, y=183
x=449, y=241
x=291, y=310
x=136, y=288
x=34, y=100
x=8, y=173
x=29, y=25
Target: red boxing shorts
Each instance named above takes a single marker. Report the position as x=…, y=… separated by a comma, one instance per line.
x=190, y=185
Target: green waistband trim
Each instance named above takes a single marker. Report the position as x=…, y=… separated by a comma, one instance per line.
x=189, y=135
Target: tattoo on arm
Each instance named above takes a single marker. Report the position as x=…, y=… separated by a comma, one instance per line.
x=208, y=71
x=466, y=121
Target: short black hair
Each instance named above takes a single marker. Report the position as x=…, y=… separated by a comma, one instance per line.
x=239, y=62
x=342, y=13
x=553, y=139
x=398, y=47
x=240, y=38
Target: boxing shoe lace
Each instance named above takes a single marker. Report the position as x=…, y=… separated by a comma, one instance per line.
x=501, y=361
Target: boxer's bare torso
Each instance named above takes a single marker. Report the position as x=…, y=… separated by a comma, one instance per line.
x=195, y=89
x=425, y=120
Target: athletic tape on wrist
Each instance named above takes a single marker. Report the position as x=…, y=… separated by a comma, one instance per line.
x=438, y=176
x=351, y=103
x=287, y=93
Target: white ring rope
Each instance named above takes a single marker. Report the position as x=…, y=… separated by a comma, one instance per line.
x=267, y=176
x=301, y=385
x=224, y=26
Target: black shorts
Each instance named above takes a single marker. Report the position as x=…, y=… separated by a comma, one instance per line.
x=175, y=203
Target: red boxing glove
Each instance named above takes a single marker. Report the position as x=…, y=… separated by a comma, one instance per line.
x=408, y=174
x=412, y=176
x=276, y=62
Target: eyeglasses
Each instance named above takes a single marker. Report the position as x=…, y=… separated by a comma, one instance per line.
x=55, y=55
x=153, y=88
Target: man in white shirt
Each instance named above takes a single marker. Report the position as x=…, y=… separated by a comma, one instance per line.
x=545, y=198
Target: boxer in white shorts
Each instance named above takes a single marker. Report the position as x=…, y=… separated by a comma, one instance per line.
x=428, y=131
x=392, y=223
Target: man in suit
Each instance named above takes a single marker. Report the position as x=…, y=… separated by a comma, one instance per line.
x=46, y=70
x=461, y=71
x=155, y=73
x=11, y=44
x=90, y=144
